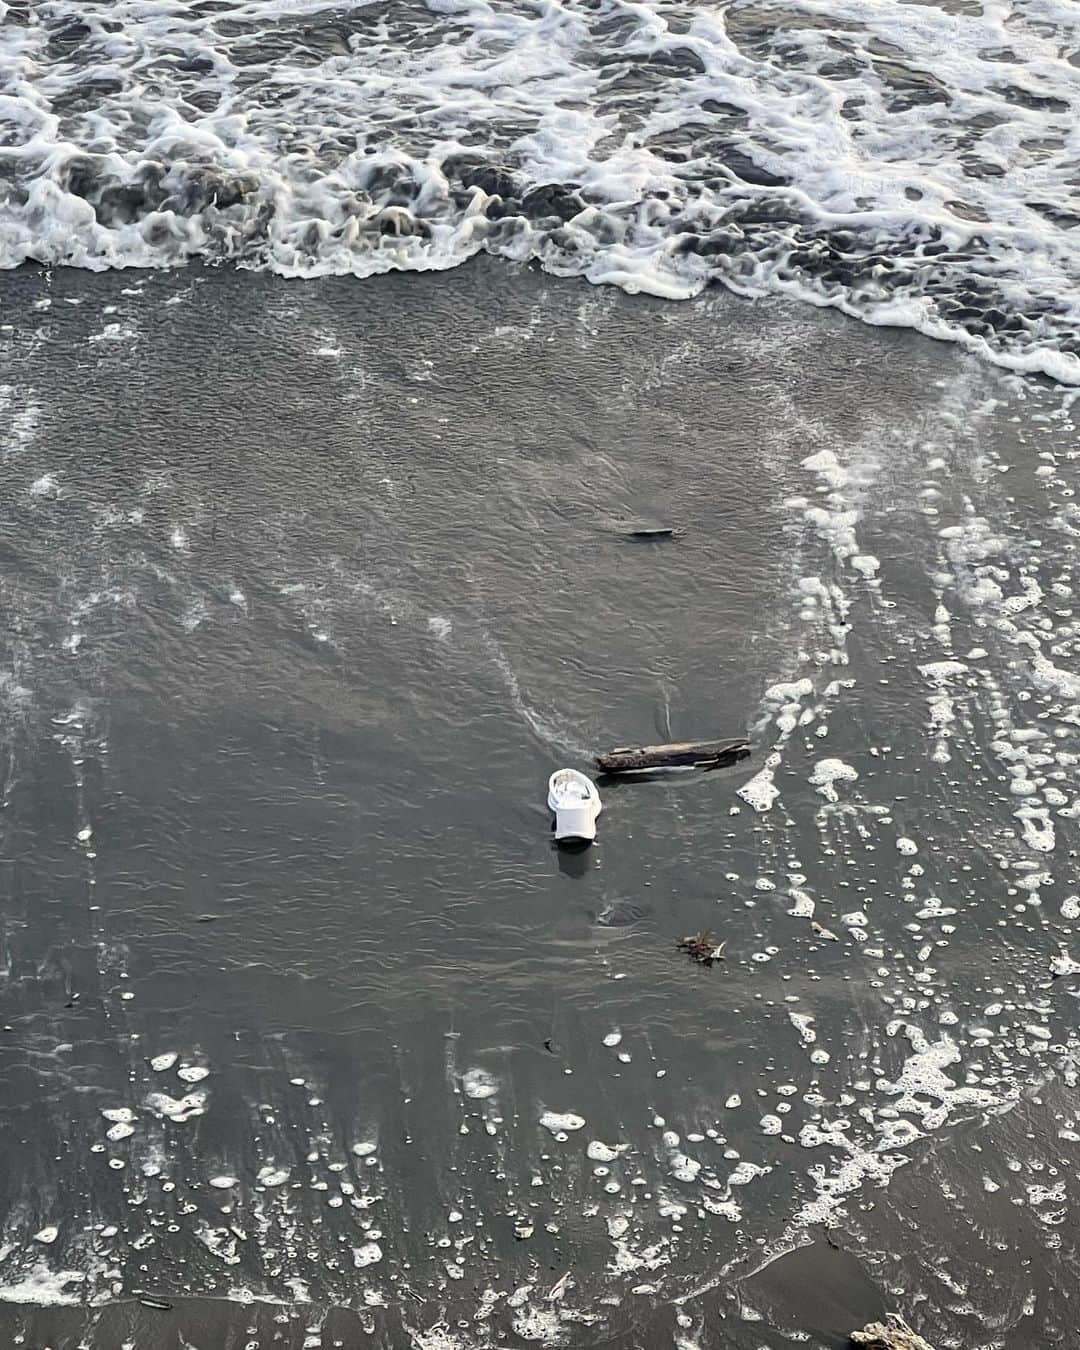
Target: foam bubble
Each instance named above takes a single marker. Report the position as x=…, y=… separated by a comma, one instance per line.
x=478, y=1084
x=828, y=772
x=367, y=1254
x=559, y=1122
x=45, y=1288
x=760, y=792
x=604, y=1153
x=177, y=1109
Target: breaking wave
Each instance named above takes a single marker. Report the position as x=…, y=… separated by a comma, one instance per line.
x=909, y=163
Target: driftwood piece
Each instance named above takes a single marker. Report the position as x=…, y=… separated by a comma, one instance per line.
x=685, y=754
x=892, y=1334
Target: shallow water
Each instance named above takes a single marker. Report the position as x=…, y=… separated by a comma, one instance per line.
x=308, y=588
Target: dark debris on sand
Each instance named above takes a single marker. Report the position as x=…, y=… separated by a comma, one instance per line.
x=702, y=947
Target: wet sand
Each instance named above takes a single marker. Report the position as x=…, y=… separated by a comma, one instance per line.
x=309, y=587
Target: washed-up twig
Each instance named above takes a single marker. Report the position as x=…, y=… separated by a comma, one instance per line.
x=680, y=755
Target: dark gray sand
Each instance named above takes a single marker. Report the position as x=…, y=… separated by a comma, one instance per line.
x=307, y=587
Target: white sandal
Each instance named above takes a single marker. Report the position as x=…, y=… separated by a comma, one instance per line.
x=576, y=804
